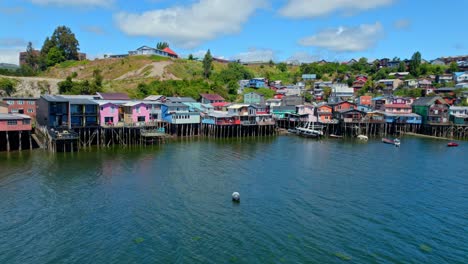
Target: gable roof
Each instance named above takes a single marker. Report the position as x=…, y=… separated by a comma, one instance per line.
x=113, y=96
x=168, y=50
x=177, y=99
x=212, y=97
x=427, y=101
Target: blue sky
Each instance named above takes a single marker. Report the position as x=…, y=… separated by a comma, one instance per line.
x=304, y=30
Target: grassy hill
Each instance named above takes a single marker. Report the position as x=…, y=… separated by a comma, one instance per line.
x=125, y=74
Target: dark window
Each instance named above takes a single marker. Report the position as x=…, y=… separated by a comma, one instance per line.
x=12, y=122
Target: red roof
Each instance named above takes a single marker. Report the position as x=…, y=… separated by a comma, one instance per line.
x=114, y=96
x=220, y=104
x=212, y=97
x=168, y=50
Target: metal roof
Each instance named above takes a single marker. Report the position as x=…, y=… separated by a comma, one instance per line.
x=176, y=99
x=54, y=98
x=13, y=117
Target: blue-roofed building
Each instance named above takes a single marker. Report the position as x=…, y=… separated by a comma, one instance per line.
x=257, y=83
x=179, y=113
x=460, y=77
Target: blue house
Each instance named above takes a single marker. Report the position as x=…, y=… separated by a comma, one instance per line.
x=257, y=83
x=179, y=113
x=403, y=118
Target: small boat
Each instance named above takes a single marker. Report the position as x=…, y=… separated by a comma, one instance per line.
x=362, y=137
x=452, y=144
x=395, y=142
x=335, y=136
x=309, y=130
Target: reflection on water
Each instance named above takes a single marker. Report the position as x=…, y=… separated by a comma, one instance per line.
x=303, y=201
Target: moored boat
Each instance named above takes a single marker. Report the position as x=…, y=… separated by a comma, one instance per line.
x=362, y=137
x=310, y=130
x=395, y=142
x=452, y=144
x=335, y=136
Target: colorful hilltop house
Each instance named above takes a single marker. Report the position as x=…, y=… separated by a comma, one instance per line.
x=135, y=113
x=22, y=105
x=460, y=77
x=433, y=110
x=254, y=98
x=258, y=83
x=211, y=98
x=15, y=122
x=304, y=113
x=149, y=51
x=375, y=117
x=365, y=100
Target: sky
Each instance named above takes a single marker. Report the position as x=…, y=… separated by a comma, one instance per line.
x=249, y=30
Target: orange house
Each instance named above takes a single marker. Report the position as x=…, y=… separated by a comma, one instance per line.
x=325, y=114
x=342, y=106
x=365, y=100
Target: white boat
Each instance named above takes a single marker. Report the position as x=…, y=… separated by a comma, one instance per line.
x=310, y=129
x=362, y=137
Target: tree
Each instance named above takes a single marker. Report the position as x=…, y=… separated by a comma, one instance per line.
x=32, y=59
x=65, y=40
x=271, y=63
x=207, y=64
x=54, y=56
x=97, y=82
x=8, y=86
x=282, y=67
x=415, y=64
x=401, y=67
x=453, y=67
x=190, y=57
x=162, y=45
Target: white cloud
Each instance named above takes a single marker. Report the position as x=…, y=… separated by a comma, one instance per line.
x=402, y=24
x=10, y=55
x=342, y=39
x=303, y=56
x=314, y=8
x=98, y=3
x=255, y=55
x=189, y=26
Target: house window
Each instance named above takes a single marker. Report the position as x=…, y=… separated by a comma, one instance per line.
x=26, y=122
x=112, y=109
x=14, y=111
x=20, y=102
x=102, y=108
x=30, y=110
x=138, y=110
x=10, y=102
x=12, y=122
x=30, y=102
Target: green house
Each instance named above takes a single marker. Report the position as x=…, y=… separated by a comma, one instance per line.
x=433, y=110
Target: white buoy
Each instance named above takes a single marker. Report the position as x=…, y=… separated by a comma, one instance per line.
x=235, y=197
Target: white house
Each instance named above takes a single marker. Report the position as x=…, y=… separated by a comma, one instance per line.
x=460, y=77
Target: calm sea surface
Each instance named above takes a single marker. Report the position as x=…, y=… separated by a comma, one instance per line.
x=302, y=201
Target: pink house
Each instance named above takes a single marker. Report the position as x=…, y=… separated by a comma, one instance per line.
x=108, y=113
x=136, y=112
x=14, y=122
x=399, y=106
x=306, y=112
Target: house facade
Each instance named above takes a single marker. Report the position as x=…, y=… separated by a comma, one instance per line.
x=21, y=105
x=211, y=98
x=178, y=113
x=433, y=110
x=15, y=122
x=135, y=113
x=460, y=77
x=325, y=114
x=398, y=106
x=108, y=114
x=254, y=98
x=53, y=111
x=148, y=51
